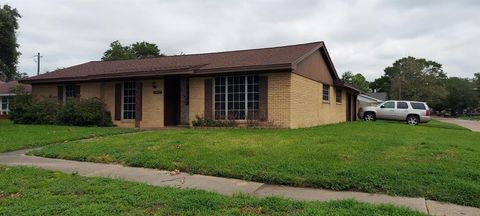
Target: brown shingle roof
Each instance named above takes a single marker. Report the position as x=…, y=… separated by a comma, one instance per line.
x=243, y=60
x=6, y=88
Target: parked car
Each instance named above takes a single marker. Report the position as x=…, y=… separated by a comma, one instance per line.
x=413, y=112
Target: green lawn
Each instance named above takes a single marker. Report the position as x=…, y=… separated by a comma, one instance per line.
x=437, y=160
x=15, y=136
x=30, y=191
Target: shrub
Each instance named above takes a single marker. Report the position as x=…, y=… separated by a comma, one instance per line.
x=89, y=112
x=203, y=122
x=84, y=112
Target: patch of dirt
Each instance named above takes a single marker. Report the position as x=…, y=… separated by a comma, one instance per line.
x=251, y=210
x=13, y=196
x=152, y=210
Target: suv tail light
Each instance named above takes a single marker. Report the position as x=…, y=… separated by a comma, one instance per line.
x=428, y=113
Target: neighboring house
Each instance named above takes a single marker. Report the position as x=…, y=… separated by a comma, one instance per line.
x=289, y=86
x=378, y=95
x=366, y=100
x=6, y=95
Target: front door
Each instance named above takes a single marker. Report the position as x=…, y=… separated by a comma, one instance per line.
x=172, y=101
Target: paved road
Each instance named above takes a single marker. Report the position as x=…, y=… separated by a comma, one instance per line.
x=227, y=186
x=470, y=124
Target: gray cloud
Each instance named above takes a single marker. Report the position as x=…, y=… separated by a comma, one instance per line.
x=362, y=36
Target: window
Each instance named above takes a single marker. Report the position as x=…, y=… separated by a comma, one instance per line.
x=129, y=97
x=420, y=106
x=326, y=93
x=402, y=105
x=389, y=105
x=338, y=95
x=72, y=91
x=4, y=105
x=236, y=97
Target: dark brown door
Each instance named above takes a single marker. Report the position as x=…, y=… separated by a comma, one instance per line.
x=172, y=101
x=349, y=107
x=354, y=112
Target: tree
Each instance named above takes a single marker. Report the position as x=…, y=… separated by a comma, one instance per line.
x=137, y=50
x=381, y=84
x=145, y=50
x=357, y=80
x=462, y=94
x=8, y=42
x=417, y=79
x=118, y=52
x=476, y=81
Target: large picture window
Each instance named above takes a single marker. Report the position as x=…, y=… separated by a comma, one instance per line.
x=236, y=97
x=129, y=93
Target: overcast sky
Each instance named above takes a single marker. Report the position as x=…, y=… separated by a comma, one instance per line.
x=361, y=36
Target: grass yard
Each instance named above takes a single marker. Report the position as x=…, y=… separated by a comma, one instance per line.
x=15, y=136
x=30, y=191
x=439, y=161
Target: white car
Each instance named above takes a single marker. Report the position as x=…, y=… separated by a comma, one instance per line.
x=413, y=112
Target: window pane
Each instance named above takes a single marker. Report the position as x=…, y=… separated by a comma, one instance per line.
x=389, y=105
x=129, y=97
x=420, y=106
x=402, y=105
x=241, y=90
x=326, y=92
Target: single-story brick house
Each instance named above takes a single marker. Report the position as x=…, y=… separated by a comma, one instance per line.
x=290, y=86
x=6, y=95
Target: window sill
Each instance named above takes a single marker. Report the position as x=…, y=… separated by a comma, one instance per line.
x=339, y=103
x=326, y=102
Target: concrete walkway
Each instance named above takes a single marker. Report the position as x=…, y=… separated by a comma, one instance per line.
x=470, y=124
x=227, y=186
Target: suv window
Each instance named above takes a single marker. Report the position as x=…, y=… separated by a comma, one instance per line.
x=390, y=105
x=420, y=106
x=402, y=105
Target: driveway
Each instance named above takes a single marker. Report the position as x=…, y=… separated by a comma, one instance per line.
x=470, y=124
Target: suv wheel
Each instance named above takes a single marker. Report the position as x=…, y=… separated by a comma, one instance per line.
x=413, y=120
x=369, y=116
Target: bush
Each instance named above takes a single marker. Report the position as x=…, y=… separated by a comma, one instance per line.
x=89, y=112
x=203, y=122
x=84, y=113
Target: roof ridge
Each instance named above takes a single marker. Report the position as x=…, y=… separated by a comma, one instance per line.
x=206, y=53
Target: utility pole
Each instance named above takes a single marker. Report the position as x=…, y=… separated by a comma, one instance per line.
x=38, y=63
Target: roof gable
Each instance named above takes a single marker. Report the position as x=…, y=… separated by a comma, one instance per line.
x=317, y=65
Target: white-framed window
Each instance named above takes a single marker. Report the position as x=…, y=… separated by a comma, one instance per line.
x=129, y=97
x=236, y=97
x=4, y=105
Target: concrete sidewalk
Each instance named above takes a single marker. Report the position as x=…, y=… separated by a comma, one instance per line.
x=227, y=186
